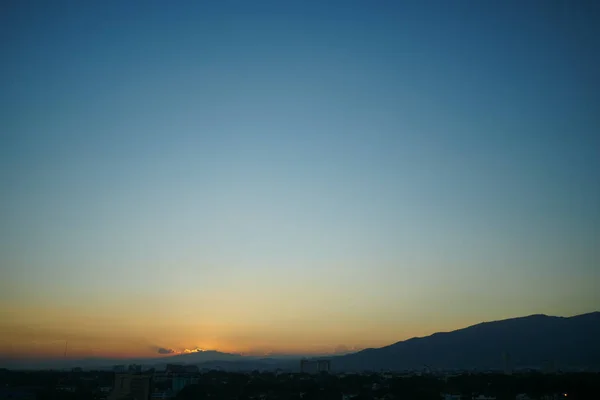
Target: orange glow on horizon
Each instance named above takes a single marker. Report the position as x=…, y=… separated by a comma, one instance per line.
x=29, y=332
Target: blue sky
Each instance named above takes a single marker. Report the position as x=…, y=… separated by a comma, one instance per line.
x=340, y=165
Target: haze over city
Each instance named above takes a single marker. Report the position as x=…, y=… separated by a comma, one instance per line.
x=292, y=177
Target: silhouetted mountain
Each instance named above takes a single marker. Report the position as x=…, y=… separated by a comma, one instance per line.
x=530, y=341
x=104, y=363
x=199, y=357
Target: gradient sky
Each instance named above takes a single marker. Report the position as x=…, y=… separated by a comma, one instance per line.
x=293, y=176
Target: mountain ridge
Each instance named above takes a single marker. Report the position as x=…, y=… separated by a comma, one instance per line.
x=529, y=341
x=574, y=337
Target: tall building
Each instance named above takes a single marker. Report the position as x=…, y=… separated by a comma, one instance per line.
x=131, y=387
x=314, y=366
x=323, y=365
x=119, y=368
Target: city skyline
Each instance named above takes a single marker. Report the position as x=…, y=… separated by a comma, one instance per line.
x=293, y=177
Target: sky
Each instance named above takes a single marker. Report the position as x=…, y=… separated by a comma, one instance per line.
x=293, y=177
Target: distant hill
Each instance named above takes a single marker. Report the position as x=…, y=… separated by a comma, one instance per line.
x=530, y=341
x=107, y=363
x=199, y=357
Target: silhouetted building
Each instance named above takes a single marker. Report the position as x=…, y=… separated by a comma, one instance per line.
x=192, y=369
x=314, y=366
x=179, y=382
x=131, y=387
x=135, y=368
x=323, y=365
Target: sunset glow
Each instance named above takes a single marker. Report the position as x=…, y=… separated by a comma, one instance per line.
x=291, y=177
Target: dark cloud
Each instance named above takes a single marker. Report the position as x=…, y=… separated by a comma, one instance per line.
x=162, y=350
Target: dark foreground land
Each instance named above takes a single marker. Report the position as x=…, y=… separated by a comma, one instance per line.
x=98, y=385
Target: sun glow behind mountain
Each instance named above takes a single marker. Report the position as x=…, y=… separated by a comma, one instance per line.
x=292, y=177
x=196, y=350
